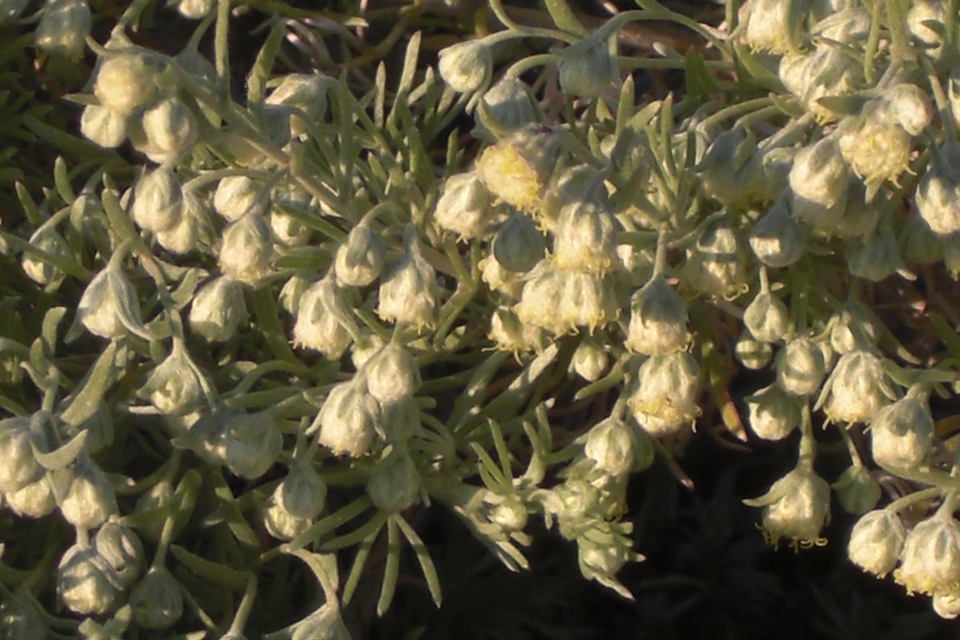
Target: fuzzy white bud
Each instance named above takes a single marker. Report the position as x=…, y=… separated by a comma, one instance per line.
x=876, y=542
x=901, y=434
x=218, y=309
x=466, y=66
x=658, y=320
x=800, y=367
x=772, y=413
x=348, y=420
x=246, y=249
x=665, y=398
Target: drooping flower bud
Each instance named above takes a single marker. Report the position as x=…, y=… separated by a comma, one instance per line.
x=918, y=243
x=103, y=127
x=752, y=353
x=909, y=106
x=409, y=289
x=800, y=367
x=857, y=490
x=63, y=28
x=827, y=71
x=218, y=309
x=776, y=239
x=237, y=196
x=157, y=601
x=776, y=26
x=305, y=92
x=876, y=542
x=857, y=389
x=926, y=21
x=499, y=279
x=246, y=249
x=302, y=493
x=658, y=320
x=509, y=334
x=610, y=445
x=716, y=265
x=324, y=321
x=665, y=398
x=819, y=182
x=360, y=258
x=392, y=374
x=18, y=466
x=121, y=550
x=946, y=603
x=930, y=560
x=394, y=484
x=507, y=106
x=587, y=300
x=348, y=420
x=518, y=168
x=772, y=413
x=585, y=238
x=192, y=231
x=464, y=206
x=90, y=499
x=34, y=500
x=723, y=168
x=170, y=129
x=126, y=82
x=877, y=148
x=767, y=317
x=796, y=506
x=173, y=387
x=157, y=200
x=48, y=239
x=466, y=66
x=249, y=444
x=590, y=360
x=518, y=245
x=901, y=433
x=589, y=67
x=365, y=348
x=109, y=307
x=85, y=585
x=936, y=194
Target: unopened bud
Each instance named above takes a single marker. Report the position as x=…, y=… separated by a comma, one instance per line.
x=936, y=193
x=360, y=258
x=237, y=196
x=658, y=320
x=610, y=445
x=218, y=309
x=776, y=239
x=125, y=82
x=157, y=601
x=249, y=444
x=170, y=128
x=777, y=26
x=819, y=181
x=322, y=320
x=590, y=361
x=392, y=374
x=589, y=67
x=767, y=317
x=717, y=264
x=876, y=542
x=63, y=28
x=930, y=560
x=409, y=289
x=518, y=245
x=246, y=249
x=584, y=238
x=90, y=499
x=48, y=239
x=121, y=550
x=84, y=584
x=752, y=353
x=349, y=420
x=796, y=506
x=901, y=434
x=800, y=367
x=394, y=484
x=192, y=231
x=173, y=386
x=772, y=413
x=103, y=127
x=509, y=105
x=466, y=66
x=33, y=500
x=464, y=206
x=305, y=92
x=509, y=334
x=193, y=10
x=302, y=493
x=157, y=200
x=857, y=490
x=858, y=388
x=665, y=398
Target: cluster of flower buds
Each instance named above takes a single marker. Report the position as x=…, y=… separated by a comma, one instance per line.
x=94, y=575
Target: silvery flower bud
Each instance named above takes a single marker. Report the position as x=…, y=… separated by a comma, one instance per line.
x=909, y=106
x=796, y=506
x=852, y=329
x=170, y=128
x=658, y=320
x=499, y=279
x=936, y=194
x=325, y=623
x=518, y=245
x=665, y=398
x=507, y=106
x=48, y=239
x=321, y=317
x=280, y=523
x=858, y=388
x=173, y=386
x=826, y=72
x=192, y=231
x=930, y=560
x=292, y=292
x=157, y=201
x=109, y=307
x=348, y=420
x=400, y=421
x=848, y=24
x=360, y=258
x=392, y=374
x=876, y=542
x=19, y=619
x=237, y=196
x=576, y=184
x=103, y=127
x=218, y=309
x=901, y=434
x=121, y=550
x=287, y=230
x=800, y=367
x=587, y=300
x=394, y=484
x=752, y=353
x=302, y=493
x=772, y=413
x=588, y=68
x=767, y=317
x=609, y=444
x=857, y=490
x=585, y=238
x=85, y=585
x=63, y=28
x=716, y=265
x=878, y=149
x=819, y=181
x=126, y=82
x=409, y=289
x=365, y=348
x=926, y=21
x=18, y=466
x=918, y=243
x=518, y=168
x=90, y=499
x=249, y=444
x=157, y=601
x=509, y=334
x=946, y=603
x=307, y=93
x=776, y=238
x=463, y=207
x=590, y=361
x=541, y=296
x=776, y=26
x=33, y=500
x=466, y=66
x=723, y=168
x=246, y=249
x=194, y=9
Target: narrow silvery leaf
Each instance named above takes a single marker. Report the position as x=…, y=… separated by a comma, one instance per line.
x=63, y=456
x=86, y=400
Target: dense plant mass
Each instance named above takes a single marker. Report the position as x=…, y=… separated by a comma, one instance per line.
x=259, y=316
